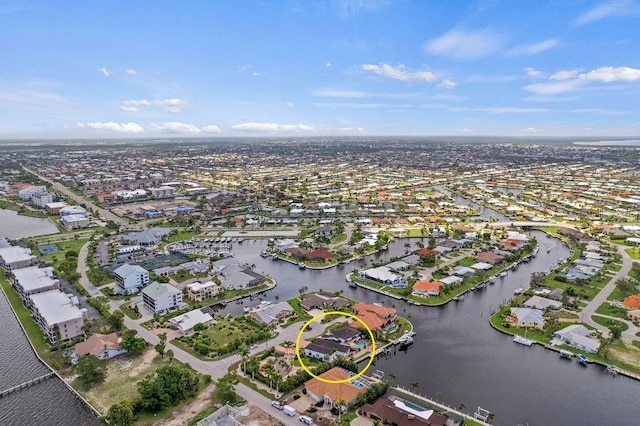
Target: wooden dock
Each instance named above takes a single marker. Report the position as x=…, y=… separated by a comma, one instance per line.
x=26, y=384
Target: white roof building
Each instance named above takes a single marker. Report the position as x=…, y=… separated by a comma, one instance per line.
x=542, y=303
x=15, y=257
x=383, y=275
x=53, y=308
x=33, y=280
x=578, y=336
x=185, y=322
x=528, y=317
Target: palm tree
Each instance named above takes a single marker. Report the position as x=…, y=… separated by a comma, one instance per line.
x=414, y=385
x=393, y=376
x=244, y=353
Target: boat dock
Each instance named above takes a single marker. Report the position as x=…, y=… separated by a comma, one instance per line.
x=26, y=384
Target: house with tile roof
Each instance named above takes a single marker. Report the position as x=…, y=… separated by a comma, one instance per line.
x=426, y=288
x=376, y=317
x=333, y=393
x=104, y=346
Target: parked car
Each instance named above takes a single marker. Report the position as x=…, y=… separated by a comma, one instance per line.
x=277, y=404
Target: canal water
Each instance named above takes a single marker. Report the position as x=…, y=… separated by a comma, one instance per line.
x=14, y=226
x=46, y=403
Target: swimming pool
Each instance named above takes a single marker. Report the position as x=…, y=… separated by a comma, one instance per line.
x=362, y=344
x=391, y=329
x=413, y=406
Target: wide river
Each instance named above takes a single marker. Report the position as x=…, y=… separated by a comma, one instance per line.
x=456, y=354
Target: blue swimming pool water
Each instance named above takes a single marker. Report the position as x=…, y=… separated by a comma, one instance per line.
x=391, y=329
x=414, y=406
x=362, y=344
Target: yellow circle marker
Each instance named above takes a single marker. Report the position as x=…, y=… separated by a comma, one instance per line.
x=322, y=315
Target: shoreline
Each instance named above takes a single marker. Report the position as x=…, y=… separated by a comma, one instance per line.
x=93, y=410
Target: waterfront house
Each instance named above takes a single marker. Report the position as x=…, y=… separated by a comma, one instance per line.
x=15, y=257
x=580, y=337
x=398, y=266
x=326, y=349
x=376, y=317
x=333, y=393
x=197, y=292
x=159, y=297
x=542, y=303
x=235, y=277
x=104, y=346
x=57, y=315
x=527, y=317
x=272, y=313
x=451, y=279
x=397, y=412
x=383, y=275
x=131, y=278
x=426, y=288
x=489, y=257
x=319, y=300
x=464, y=271
x=320, y=255
x=344, y=335
x=184, y=323
x=481, y=266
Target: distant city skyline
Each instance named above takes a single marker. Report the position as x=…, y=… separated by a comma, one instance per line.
x=162, y=69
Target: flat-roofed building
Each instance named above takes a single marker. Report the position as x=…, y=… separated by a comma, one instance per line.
x=27, y=193
x=131, y=278
x=54, y=308
x=41, y=199
x=162, y=192
x=74, y=221
x=34, y=280
x=54, y=208
x=161, y=297
x=198, y=292
x=15, y=257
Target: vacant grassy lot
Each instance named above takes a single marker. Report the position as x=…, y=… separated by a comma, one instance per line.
x=229, y=329
x=123, y=375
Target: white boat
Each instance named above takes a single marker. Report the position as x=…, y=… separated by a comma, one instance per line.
x=240, y=240
x=503, y=274
x=566, y=354
x=518, y=290
x=264, y=254
x=301, y=265
x=535, y=252
x=405, y=340
x=612, y=370
x=263, y=304
x=247, y=309
x=549, y=250
x=523, y=340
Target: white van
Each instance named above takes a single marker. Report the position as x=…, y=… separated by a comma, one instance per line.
x=289, y=410
x=306, y=420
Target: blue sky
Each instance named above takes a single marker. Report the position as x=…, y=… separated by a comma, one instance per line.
x=76, y=69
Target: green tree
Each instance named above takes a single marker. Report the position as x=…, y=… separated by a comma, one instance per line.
x=167, y=387
x=414, y=386
x=121, y=414
x=116, y=320
x=91, y=369
x=162, y=345
x=132, y=344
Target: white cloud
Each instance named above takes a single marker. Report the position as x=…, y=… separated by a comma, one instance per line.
x=115, y=127
x=447, y=84
x=133, y=102
x=532, y=130
x=533, y=73
x=337, y=93
x=30, y=98
x=288, y=105
x=399, y=72
x=535, y=48
x=359, y=105
x=130, y=71
x=211, y=128
x=552, y=88
x=609, y=74
x=611, y=8
x=328, y=65
x=126, y=108
x=175, y=127
x=173, y=105
x=104, y=72
x=351, y=130
x=348, y=8
x=466, y=45
x=256, y=74
x=564, y=75
x=271, y=127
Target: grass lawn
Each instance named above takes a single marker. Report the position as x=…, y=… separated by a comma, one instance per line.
x=70, y=245
x=123, y=375
x=339, y=238
x=614, y=311
x=34, y=332
x=634, y=253
x=229, y=329
x=180, y=236
x=607, y=322
x=300, y=314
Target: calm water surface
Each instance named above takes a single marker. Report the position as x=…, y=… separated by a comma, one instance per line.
x=15, y=226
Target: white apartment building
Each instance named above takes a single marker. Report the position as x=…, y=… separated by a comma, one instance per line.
x=161, y=297
x=162, y=192
x=54, y=308
x=41, y=199
x=131, y=278
x=198, y=292
x=14, y=257
x=34, y=280
x=27, y=193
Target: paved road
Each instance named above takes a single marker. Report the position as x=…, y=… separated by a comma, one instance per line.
x=256, y=399
x=588, y=311
x=82, y=270
x=104, y=214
